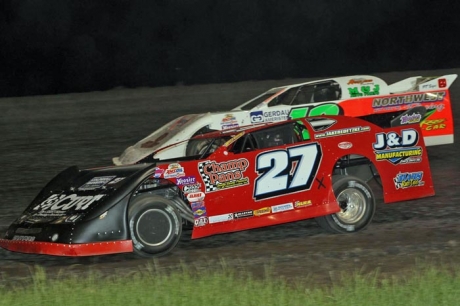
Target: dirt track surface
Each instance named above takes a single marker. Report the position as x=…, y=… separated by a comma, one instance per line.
x=43, y=135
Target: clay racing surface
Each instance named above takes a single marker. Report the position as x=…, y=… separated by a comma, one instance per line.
x=41, y=136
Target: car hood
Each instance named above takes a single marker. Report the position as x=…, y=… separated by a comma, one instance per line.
x=170, y=141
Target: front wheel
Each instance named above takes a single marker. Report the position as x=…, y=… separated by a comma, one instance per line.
x=357, y=203
x=196, y=147
x=155, y=225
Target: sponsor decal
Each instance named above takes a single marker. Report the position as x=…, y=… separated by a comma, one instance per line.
x=397, y=148
x=158, y=172
x=60, y=203
x=282, y=207
x=257, y=117
x=408, y=99
x=218, y=176
x=408, y=180
x=410, y=119
x=186, y=180
x=191, y=188
x=276, y=115
x=243, y=214
x=359, y=81
x=435, y=124
x=198, y=209
x=201, y=221
x=229, y=122
x=23, y=238
x=195, y=196
x=220, y=218
x=364, y=91
x=428, y=86
x=174, y=170
x=300, y=204
x=442, y=83
x=233, y=139
x=262, y=211
x=352, y=130
x=199, y=213
x=96, y=182
x=115, y=180
x=196, y=205
x=345, y=145
x=269, y=116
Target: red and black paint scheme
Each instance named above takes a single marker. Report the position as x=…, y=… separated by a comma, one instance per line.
x=242, y=179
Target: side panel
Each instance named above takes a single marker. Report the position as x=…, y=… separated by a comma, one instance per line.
x=437, y=125
x=400, y=155
x=232, y=192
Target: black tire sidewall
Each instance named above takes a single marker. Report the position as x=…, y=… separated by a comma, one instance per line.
x=143, y=204
x=332, y=223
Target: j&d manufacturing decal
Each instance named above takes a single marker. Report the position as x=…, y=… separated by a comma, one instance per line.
x=397, y=148
x=408, y=180
x=218, y=176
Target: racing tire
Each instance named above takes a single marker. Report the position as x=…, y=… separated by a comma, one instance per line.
x=357, y=203
x=155, y=225
x=197, y=147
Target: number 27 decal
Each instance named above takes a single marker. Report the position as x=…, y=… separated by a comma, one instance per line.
x=286, y=171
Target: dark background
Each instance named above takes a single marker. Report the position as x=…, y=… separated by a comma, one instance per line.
x=57, y=46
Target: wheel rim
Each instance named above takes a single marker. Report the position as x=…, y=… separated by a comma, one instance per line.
x=353, y=205
x=154, y=227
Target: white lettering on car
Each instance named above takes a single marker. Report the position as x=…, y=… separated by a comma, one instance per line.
x=66, y=202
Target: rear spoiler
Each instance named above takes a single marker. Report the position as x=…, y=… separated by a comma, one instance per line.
x=421, y=83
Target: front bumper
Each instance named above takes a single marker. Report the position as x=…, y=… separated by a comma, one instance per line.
x=62, y=249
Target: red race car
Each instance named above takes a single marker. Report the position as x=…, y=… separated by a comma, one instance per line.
x=243, y=178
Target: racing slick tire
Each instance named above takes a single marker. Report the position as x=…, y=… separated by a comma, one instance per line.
x=196, y=147
x=155, y=225
x=357, y=202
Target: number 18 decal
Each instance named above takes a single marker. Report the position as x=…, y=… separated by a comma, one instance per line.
x=286, y=171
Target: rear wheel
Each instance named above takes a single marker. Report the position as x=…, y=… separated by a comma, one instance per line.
x=155, y=225
x=357, y=203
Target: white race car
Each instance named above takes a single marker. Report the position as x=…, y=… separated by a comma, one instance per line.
x=363, y=96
